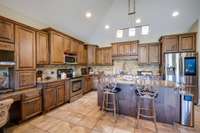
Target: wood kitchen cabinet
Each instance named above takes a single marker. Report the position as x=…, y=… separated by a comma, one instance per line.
x=114, y=50
x=154, y=53
x=56, y=48
x=24, y=48
x=187, y=42
x=6, y=34
x=99, y=56
x=23, y=79
x=53, y=94
x=88, y=84
x=129, y=48
x=149, y=53
x=31, y=104
x=74, y=46
x=60, y=94
x=67, y=44
x=143, y=54
x=82, y=54
x=49, y=97
x=170, y=43
x=91, y=54
x=179, y=43
x=104, y=56
x=42, y=48
x=67, y=90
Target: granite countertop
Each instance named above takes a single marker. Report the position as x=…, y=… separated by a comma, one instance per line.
x=158, y=83
x=17, y=93
x=51, y=80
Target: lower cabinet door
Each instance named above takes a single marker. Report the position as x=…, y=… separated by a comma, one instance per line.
x=49, y=97
x=31, y=108
x=60, y=94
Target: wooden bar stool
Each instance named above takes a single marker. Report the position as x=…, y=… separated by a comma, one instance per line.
x=110, y=95
x=146, y=94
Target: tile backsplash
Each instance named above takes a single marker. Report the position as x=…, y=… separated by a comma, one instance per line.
x=128, y=67
x=125, y=66
x=51, y=70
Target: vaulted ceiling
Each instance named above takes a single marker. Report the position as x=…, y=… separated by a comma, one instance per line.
x=69, y=16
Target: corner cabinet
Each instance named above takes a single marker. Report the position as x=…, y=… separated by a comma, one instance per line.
x=56, y=48
x=42, y=48
x=25, y=48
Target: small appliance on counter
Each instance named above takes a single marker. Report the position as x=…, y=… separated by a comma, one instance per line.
x=84, y=71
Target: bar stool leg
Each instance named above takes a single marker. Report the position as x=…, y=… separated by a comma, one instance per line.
x=114, y=106
x=154, y=116
x=103, y=104
x=138, y=113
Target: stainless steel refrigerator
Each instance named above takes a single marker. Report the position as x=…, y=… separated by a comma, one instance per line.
x=182, y=68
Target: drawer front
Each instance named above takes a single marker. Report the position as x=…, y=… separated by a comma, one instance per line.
x=54, y=84
x=31, y=108
x=26, y=79
x=31, y=95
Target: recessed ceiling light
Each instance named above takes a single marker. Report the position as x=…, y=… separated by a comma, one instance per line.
x=107, y=27
x=88, y=14
x=138, y=21
x=175, y=13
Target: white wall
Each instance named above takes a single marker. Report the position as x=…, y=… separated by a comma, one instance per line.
x=196, y=28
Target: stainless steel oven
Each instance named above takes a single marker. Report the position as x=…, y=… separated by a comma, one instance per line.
x=76, y=88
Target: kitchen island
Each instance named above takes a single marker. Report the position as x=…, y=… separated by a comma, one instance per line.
x=167, y=103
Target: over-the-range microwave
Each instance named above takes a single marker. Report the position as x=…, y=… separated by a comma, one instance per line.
x=70, y=59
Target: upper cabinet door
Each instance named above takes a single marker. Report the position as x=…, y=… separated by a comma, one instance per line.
x=91, y=55
x=67, y=44
x=42, y=48
x=121, y=49
x=143, y=54
x=170, y=43
x=56, y=48
x=154, y=53
x=6, y=31
x=24, y=48
x=114, y=49
x=74, y=46
x=187, y=42
x=134, y=49
x=127, y=49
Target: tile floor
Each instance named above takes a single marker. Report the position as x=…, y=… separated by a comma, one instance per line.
x=84, y=116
